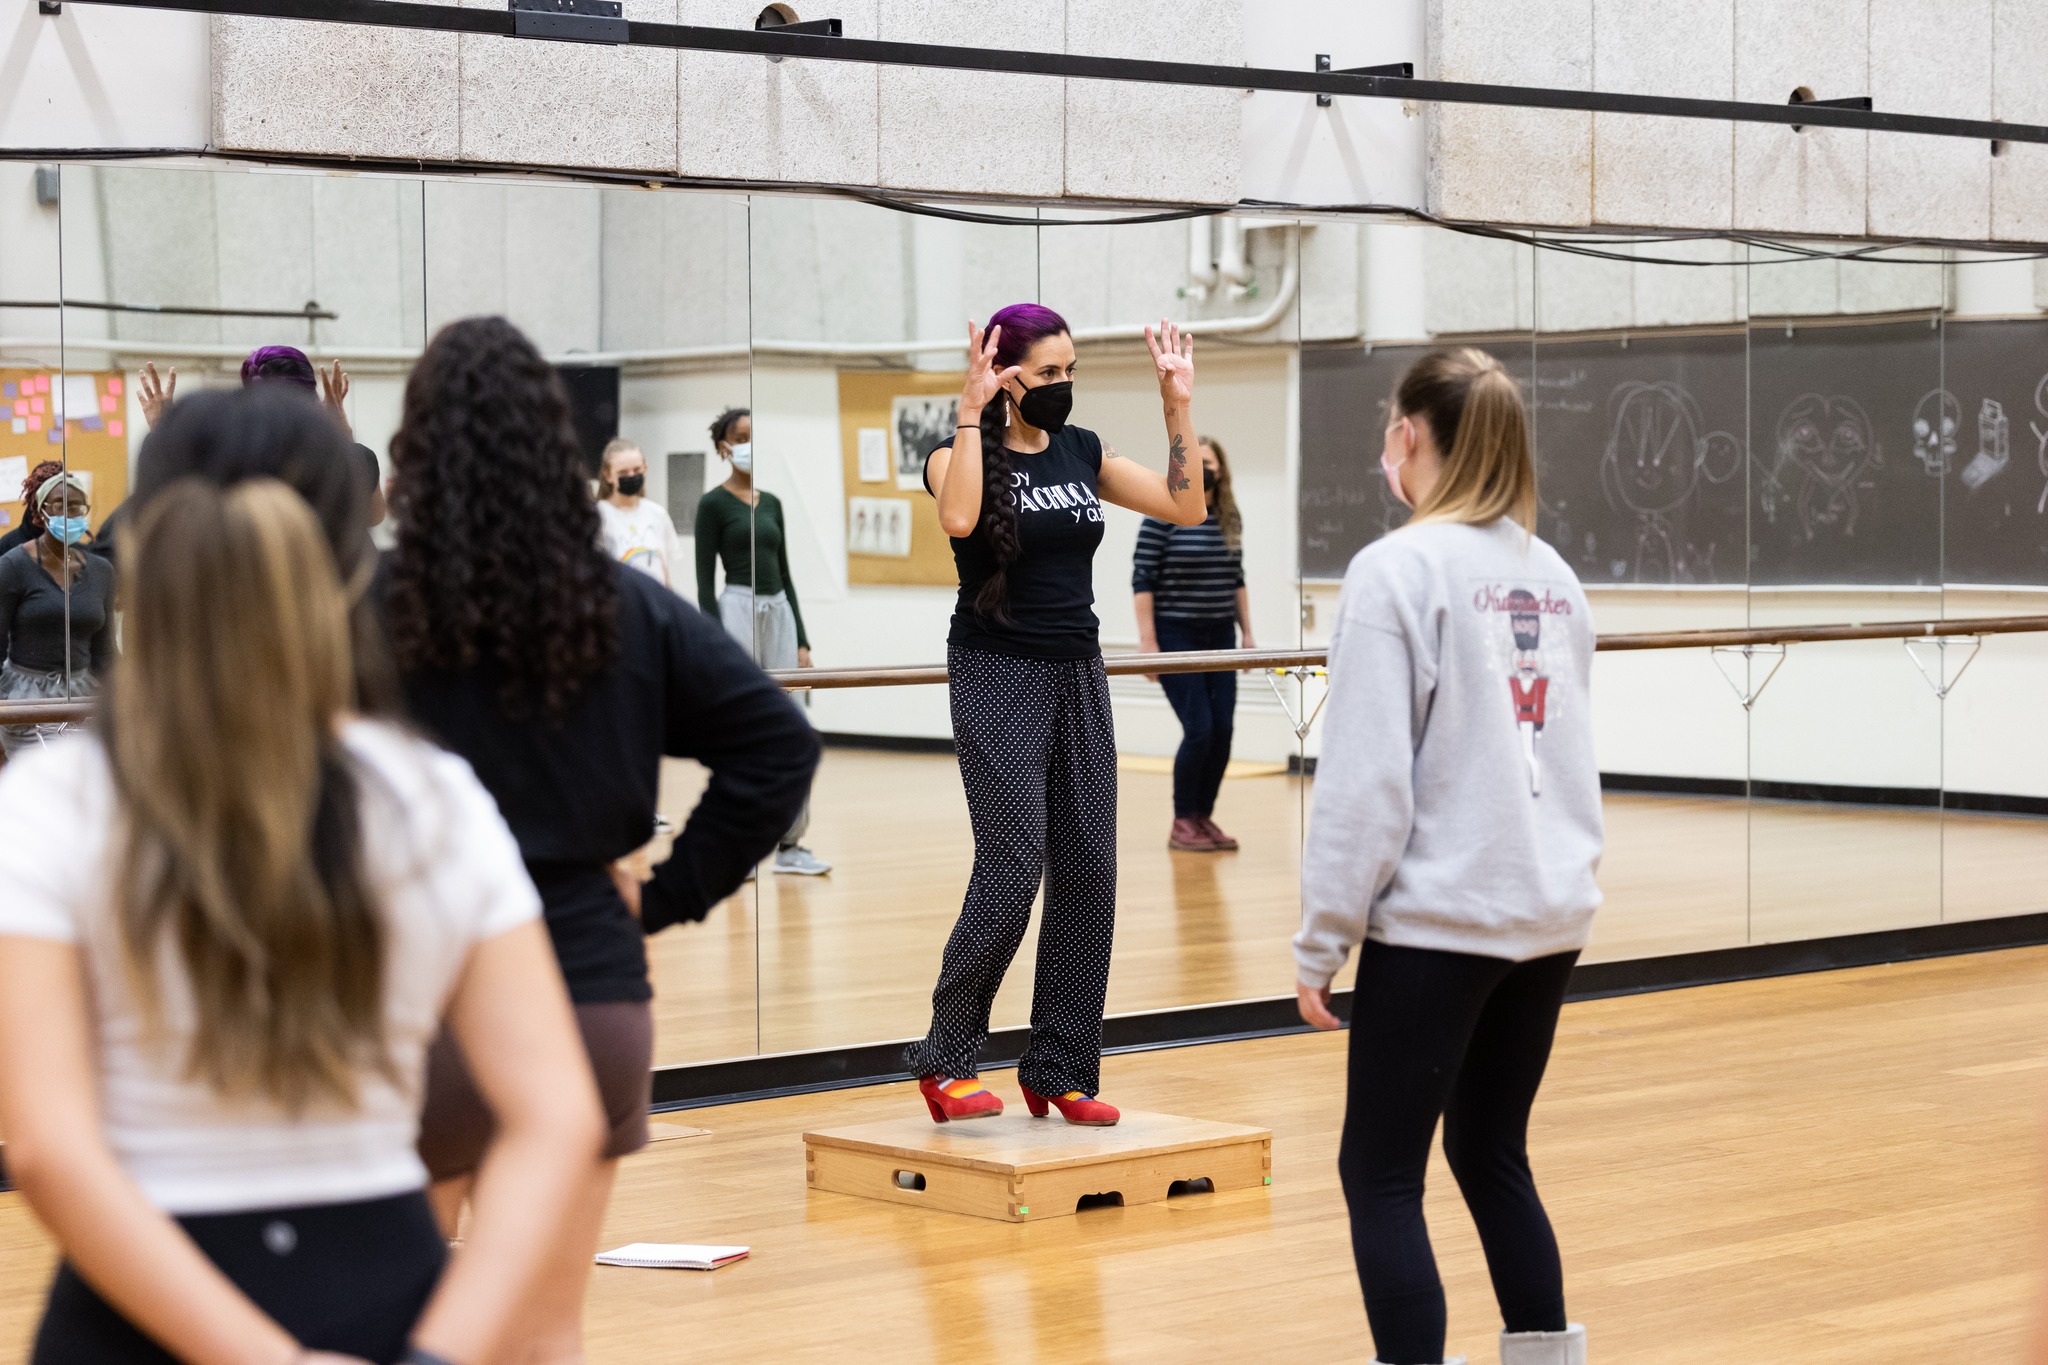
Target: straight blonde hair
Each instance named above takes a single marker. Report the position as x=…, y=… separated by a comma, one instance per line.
x=242, y=844
x=1476, y=416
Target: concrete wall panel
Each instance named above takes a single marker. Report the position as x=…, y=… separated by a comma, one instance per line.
x=1511, y=165
x=1815, y=180
x=1474, y=284
x=965, y=131
x=2019, y=94
x=570, y=104
x=1931, y=57
x=1661, y=171
x=1583, y=293
x=335, y=89
x=1124, y=140
x=747, y=118
x=1690, y=295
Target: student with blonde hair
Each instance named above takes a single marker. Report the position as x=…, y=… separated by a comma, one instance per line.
x=634, y=528
x=1455, y=839
x=232, y=931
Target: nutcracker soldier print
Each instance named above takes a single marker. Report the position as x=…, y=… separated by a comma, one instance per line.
x=1527, y=684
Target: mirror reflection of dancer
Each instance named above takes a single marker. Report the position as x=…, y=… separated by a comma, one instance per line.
x=564, y=677
x=56, y=612
x=1470, y=893
x=1017, y=490
x=635, y=529
x=741, y=527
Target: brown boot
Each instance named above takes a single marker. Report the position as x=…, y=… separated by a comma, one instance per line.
x=1188, y=836
x=1224, y=843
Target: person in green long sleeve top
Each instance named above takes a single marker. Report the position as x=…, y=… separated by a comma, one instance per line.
x=741, y=527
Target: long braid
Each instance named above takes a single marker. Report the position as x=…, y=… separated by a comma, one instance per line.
x=998, y=508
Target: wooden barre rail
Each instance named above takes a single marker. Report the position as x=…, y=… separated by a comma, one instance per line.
x=1239, y=660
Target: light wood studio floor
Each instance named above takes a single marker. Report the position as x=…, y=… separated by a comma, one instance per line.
x=1814, y=1170
x=825, y=962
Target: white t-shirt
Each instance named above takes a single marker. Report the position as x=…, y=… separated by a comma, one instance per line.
x=446, y=874
x=644, y=538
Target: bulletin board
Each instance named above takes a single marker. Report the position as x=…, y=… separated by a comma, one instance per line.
x=79, y=418
x=892, y=524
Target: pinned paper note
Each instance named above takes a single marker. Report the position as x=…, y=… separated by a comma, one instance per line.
x=671, y=1256
x=13, y=474
x=20, y=425
x=21, y=408
x=117, y=428
x=114, y=384
x=35, y=423
x=9, y=390
x=37, y=404
x=874, y=455
x=80, y=396
x=107, y=403
x=42, y=383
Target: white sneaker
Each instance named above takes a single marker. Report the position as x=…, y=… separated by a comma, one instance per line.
x=1544, y=1348
x=800, y=861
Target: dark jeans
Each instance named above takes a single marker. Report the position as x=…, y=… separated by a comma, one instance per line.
x=1207, y=706
x=1467, y=1038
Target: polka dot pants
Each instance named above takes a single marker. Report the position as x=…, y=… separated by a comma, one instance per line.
x=1037, y=755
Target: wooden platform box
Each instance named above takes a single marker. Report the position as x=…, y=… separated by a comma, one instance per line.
x=1019, y=1169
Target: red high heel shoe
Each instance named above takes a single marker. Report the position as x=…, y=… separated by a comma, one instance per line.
x=950, y=1099
x=1074, y=1107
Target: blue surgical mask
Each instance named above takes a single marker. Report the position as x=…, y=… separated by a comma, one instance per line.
x=70, y=530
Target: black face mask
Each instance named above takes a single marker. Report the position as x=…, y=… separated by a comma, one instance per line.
x=1208, y=479
x=1046, y=407
x=631, y=484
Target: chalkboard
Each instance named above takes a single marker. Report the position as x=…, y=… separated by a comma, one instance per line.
x=1860, y=453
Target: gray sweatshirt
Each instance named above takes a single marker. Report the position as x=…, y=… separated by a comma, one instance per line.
x=1457, y=799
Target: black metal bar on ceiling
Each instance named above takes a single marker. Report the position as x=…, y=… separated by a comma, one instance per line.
x=311, y=311
x=1360, y=82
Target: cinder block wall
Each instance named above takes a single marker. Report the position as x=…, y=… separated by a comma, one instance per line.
x=1960, y=58
x=343, y=91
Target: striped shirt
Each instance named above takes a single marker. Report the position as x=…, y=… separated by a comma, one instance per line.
x=1192, y=574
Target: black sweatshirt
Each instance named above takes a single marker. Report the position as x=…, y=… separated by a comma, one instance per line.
x=580, y=793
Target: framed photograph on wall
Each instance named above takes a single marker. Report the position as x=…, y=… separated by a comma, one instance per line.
x=918, y=423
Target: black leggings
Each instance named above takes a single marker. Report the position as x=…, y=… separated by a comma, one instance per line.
x=340, y=1277
x=1466, y=1038
x=1037, y=755
x=1207, y=706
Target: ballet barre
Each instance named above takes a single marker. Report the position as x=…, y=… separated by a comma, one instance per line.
x=1953, y=630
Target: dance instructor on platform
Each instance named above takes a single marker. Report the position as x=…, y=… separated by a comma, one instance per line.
x=1018, y=493
x=1455, y=837
x=564, y=676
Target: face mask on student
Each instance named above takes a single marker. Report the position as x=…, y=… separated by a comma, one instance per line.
x=631, y=484
x=742, y=457
x=1208, y=479
x=1047, y=406
x=69, y=530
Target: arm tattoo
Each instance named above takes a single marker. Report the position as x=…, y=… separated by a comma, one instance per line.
x=1177, y=466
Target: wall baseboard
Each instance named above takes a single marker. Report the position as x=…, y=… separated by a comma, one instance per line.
x=796, y=1073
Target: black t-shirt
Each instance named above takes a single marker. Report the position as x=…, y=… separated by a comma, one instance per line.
x=1052, y=583
x=580, y=792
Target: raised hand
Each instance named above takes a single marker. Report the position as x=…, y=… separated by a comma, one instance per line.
x=983, y=376
x=334, y=393
x=153, y=393
x=1173, y=356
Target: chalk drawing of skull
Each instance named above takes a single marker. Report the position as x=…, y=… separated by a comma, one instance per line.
x=1935, y=421
x=1656, y=456
x=1824, y=446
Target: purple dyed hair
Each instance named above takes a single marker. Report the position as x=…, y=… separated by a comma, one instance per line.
x=288, y=363
x=1024, y=326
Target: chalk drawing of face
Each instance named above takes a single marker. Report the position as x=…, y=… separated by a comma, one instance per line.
x=1657, y=448
x=1935, y=422
x=1825, y=443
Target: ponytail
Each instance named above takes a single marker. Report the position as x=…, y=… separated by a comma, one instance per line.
x=998, y=508
x=1475, y=413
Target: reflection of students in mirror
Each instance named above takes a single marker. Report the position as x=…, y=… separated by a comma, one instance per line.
x=634, y=528
x=742, y=528
x=1187, y=585
x=56, y=610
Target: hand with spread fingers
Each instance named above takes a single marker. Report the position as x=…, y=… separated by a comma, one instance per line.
x=334, y=393
x=983, y=375
x=1173, y=356
x=154, y=393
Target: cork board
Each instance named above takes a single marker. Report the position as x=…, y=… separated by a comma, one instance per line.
x=91, y=437
x=883, y=514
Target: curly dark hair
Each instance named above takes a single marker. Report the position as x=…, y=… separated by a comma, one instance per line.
x=497, y=561
x=721, y=425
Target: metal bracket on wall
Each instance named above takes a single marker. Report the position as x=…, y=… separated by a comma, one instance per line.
x=1939, y=678
x=1301, y=724
x=577, y=21
x=49, y=6
x=1744, y=693
x=1399, y=71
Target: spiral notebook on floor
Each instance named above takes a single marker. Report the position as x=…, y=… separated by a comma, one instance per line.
x=671, y=1256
